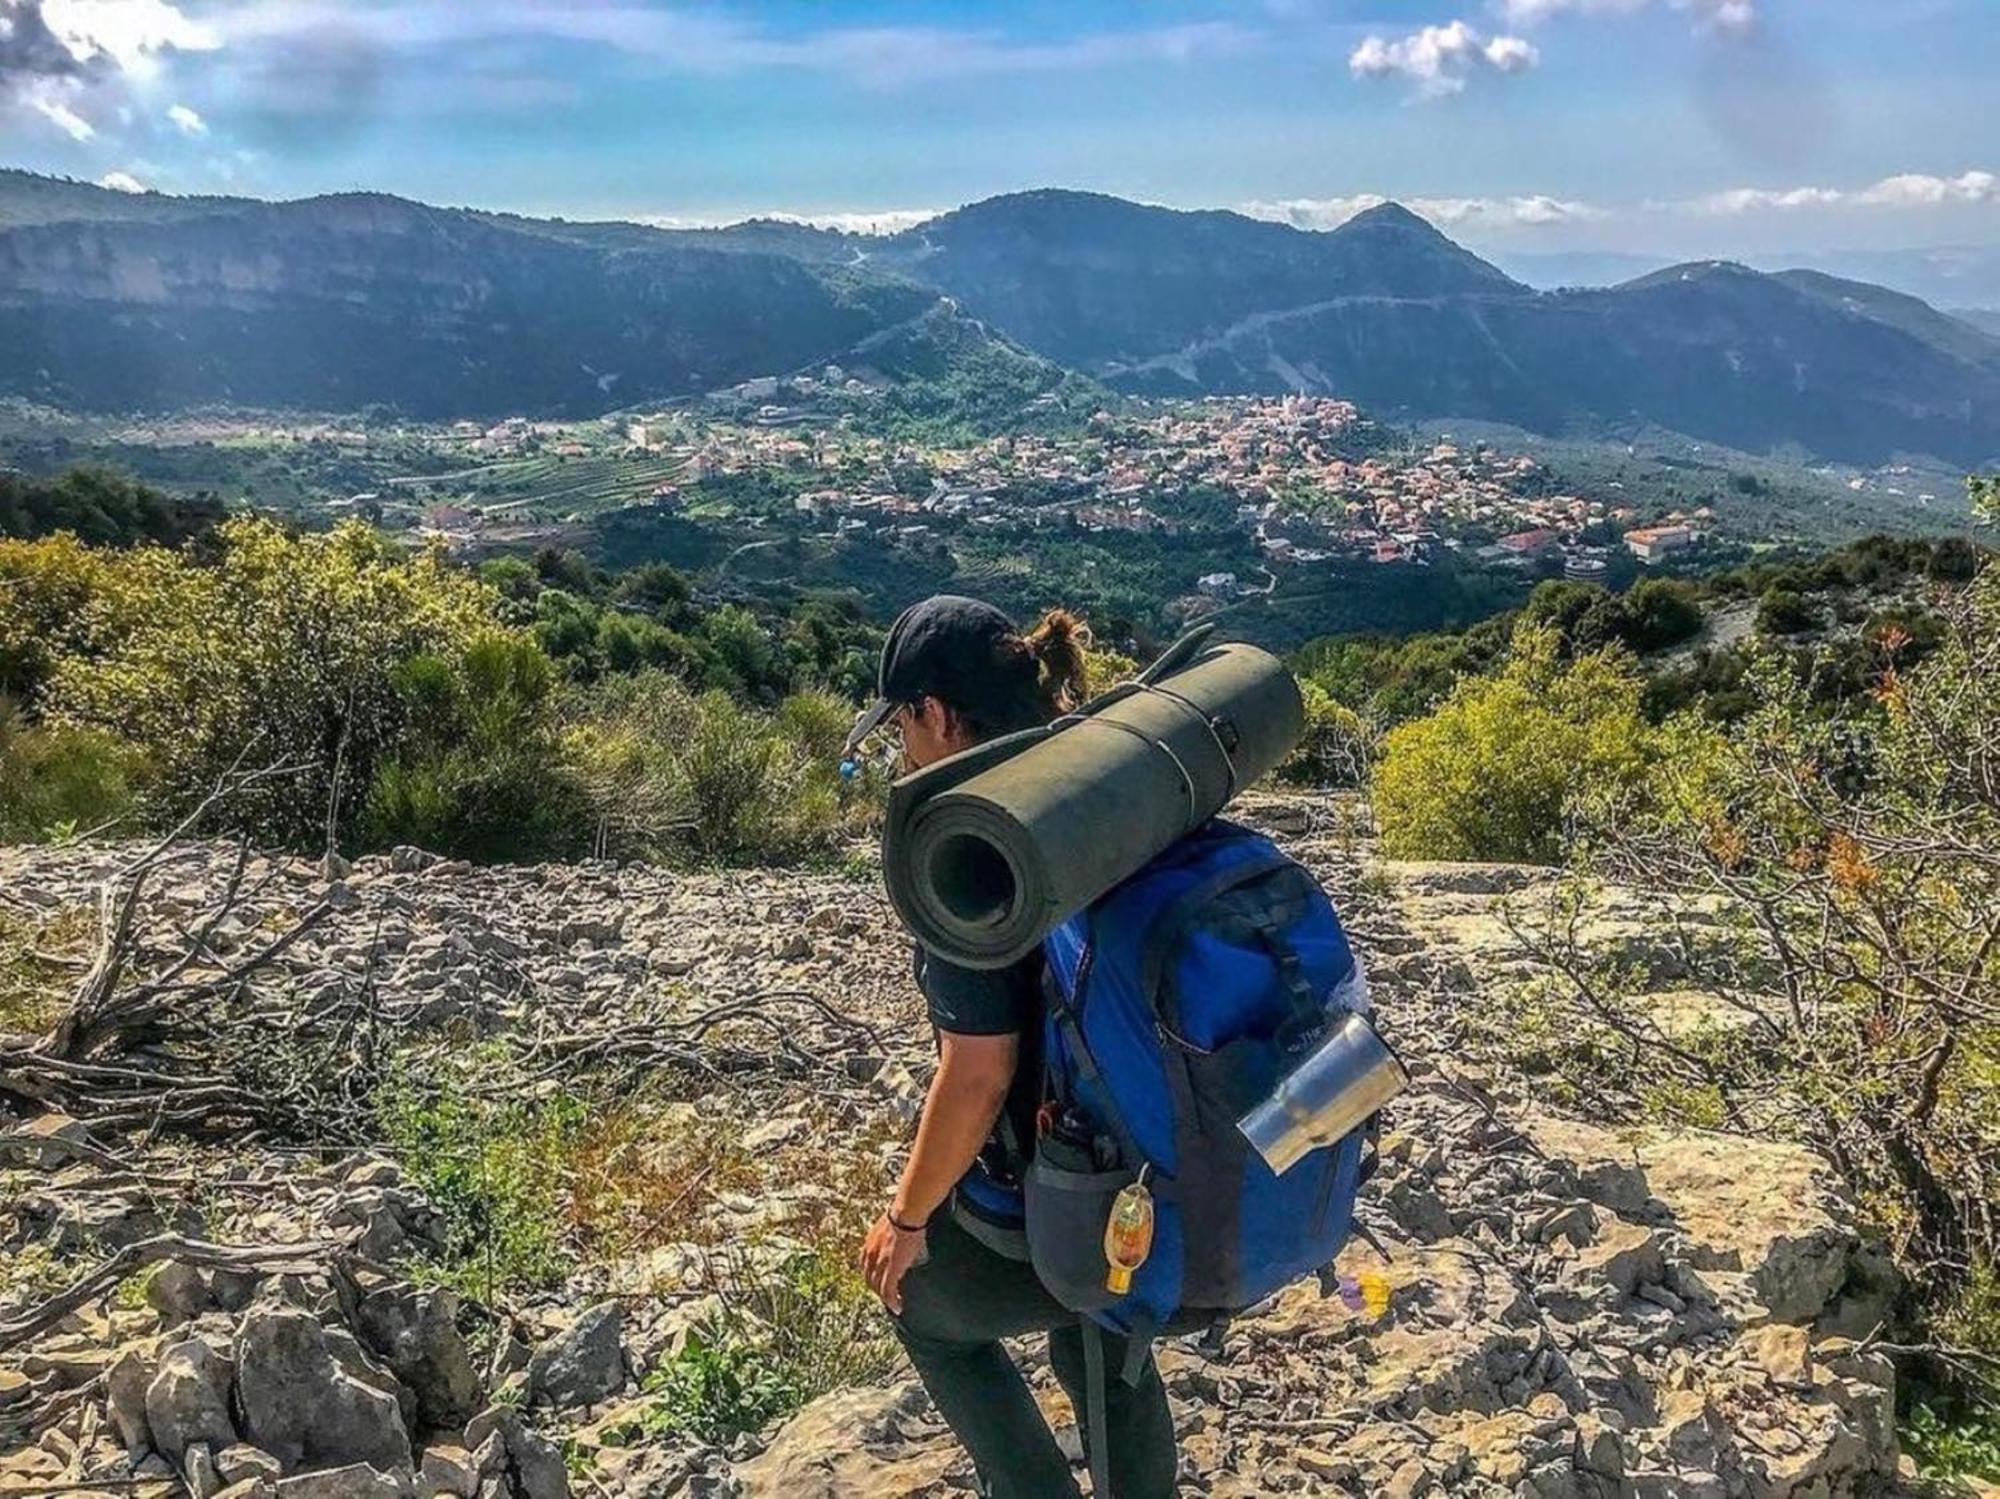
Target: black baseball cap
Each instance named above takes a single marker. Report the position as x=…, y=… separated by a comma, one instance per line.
x=947, y=647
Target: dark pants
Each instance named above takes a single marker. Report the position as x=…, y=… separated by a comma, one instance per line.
x=956, y=1308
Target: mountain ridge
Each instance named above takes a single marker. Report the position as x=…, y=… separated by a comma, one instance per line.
x=116, y=300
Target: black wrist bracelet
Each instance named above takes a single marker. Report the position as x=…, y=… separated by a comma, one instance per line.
x=900, y=1226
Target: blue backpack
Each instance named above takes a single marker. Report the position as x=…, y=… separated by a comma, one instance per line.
x=1175, y=1005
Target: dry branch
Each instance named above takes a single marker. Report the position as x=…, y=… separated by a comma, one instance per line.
x=268, y=1259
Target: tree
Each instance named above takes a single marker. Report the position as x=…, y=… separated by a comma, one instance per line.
x=282, y=650
x=1845, y=868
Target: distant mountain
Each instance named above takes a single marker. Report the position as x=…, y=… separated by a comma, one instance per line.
x=342, y=301
x=1985, y=319
x=112, y=300
x=1098, y=281
x=1943, y=275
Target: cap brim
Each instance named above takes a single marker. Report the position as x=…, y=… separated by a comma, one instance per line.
x=869, y=721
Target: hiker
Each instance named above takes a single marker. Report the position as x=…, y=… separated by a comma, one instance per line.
x=954, y=673
x=1160, y=1117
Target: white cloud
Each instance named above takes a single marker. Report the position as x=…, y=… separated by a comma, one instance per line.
x=121, y=182
x=856, y=221
x=1533, y=211
x=129, y=34
x=50, y=104
x=188, y=120
x=1907, y=190
x=1732, y=17
x=1741, y=200
x=57, y=57
x=1440, y=59
x=1914, y=190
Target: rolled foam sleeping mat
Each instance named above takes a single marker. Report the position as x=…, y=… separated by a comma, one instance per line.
x=985, y=853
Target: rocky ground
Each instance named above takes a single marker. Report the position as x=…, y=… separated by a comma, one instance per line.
x=1575, y=1310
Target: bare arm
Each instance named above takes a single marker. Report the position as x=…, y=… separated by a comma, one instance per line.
x=966, y=1096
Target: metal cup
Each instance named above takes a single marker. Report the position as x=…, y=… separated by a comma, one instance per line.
x=1346, y=1078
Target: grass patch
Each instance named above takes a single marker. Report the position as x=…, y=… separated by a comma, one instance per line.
x=1950, y=1437
x=790, y=1329
x=497, y=1173
x=34, y=989
x=641, y=1178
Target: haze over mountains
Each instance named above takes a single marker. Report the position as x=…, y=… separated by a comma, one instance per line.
x=119, y=301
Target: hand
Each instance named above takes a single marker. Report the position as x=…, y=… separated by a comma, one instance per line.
x=886, y=1254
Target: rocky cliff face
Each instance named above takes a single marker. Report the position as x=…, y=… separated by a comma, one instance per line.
x=1573, y=1309
x=339, y=302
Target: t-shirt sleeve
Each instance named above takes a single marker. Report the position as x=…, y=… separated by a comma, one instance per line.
x=976, y=1001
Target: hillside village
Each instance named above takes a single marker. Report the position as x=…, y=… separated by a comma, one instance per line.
x=1307, y=481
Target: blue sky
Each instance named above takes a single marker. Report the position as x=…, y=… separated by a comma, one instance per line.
x=1676, y=126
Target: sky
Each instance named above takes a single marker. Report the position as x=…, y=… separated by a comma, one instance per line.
x=1662, y=127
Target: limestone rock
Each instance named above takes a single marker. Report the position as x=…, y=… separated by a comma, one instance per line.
x=447, y=1473
x=415, y=1332
x=240, y=1461
x=301, y=1406
x=126, y=1382
x=188, y=1400
x=584, y=1363
x=52, y=1127
x=354, y=1481
x=505, y=1445
x=855, y=1444
x=1755, y=1207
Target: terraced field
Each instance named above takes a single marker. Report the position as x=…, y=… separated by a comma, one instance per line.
x=549, y=487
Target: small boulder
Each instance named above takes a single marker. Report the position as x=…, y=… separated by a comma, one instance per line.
x=125, y=1385
x=300, y=1405
x=42, y=1148
x=415, y=1331
x=198, y=1468
x=504, y=1444
x=188, y=1400
x=178, y=1292
x=240, y=1460
x=447, y=1473
x=355, y=1481
x=584, y=1363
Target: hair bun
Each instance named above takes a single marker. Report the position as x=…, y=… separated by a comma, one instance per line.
x=1060, y=644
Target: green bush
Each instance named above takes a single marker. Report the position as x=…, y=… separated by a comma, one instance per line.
x=279, y=651
x=1338, y=745
x=671, y=773
x=1488, y=775
x=788, y=1331
x=56, y=781
x=478, y=773
x=1782, y=611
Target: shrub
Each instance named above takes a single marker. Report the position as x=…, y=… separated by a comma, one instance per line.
x=789, y=1330
x=1660, y=612
x=282, y=651
x=45, y=587
x=1488, y=775
x=478, y=772
x=1338, y=746
x=671, y=773
x=1852, y=859
x=1782, y=611
x=56, y=781
x=494, y=1170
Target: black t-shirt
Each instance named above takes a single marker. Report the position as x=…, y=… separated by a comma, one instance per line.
x=994, y=1002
